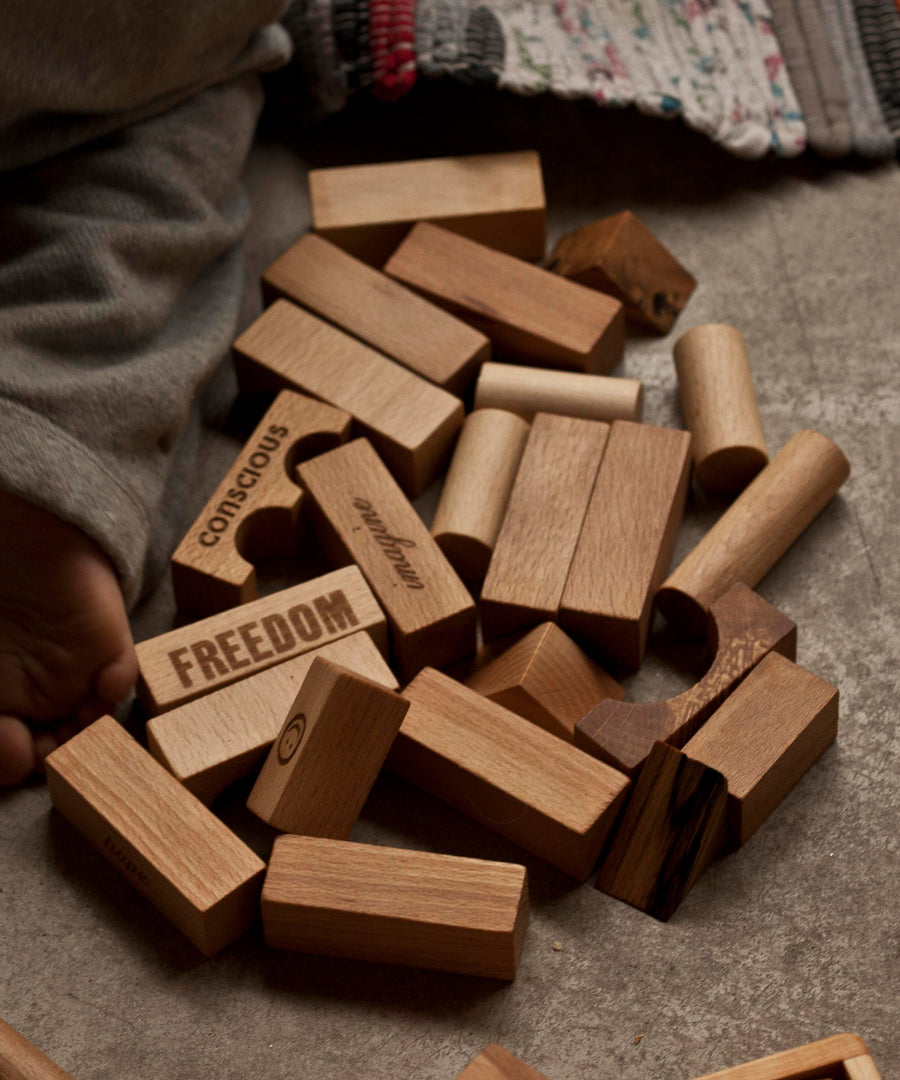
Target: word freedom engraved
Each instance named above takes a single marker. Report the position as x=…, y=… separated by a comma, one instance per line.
x=392, y=546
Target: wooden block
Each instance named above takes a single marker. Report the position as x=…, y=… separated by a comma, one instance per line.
x=814, y=1061
x=378, y=310
x=395, y=906
x=192, y=660
x=476, y=492
x=764, y=737
x=255, y=511
x=496, y=199
x=495, y=1062
x=165, y=841
x=19, y=1060
x=861, y=1068
x=507, y=773
x=214, y=740
x=547, y=679
x=528, y=313
x=720, y=407
x=757, y=529
x=331, y=747
x=528, y=570
x=361, y=515
x=529, y=390
x=673, y=826
x=411, y=422
x=627, y=539
x=620, y=256
x=743, y=628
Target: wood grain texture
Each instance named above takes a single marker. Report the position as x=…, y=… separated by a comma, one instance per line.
x=331, y=747
x=528, y=313
x=743, y=628
x=495, y=1062
x=164, y=840
x=477, y=489
x=627, y=539
x=719, y=405
x=619, y=256
x=507, y=773
x=529, y=390
x=411, y=422
x=528, y=570
x=496, y=199
x=757, y=529
x=672, y=828
x=19, y=1060
x=395, y=906
x=214, y=740
x=378, y=310
x=764, y=737
x=192, y=660
x=814, y=1061
x=255, y=510
x=861, y=1068
x=361, y=515
x=547, y=679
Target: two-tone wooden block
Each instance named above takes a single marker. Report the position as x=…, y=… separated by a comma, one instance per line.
x=395, y=906
x=840, y=1057
x=165, y=841
x=193, y=660
x=20, y=1060
x=495, y=1062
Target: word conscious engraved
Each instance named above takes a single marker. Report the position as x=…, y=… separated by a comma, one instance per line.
x=391, y=545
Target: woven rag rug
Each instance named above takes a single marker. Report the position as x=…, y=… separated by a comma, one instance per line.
x=753, y=75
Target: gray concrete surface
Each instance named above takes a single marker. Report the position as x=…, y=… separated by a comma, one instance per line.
x=795, y=937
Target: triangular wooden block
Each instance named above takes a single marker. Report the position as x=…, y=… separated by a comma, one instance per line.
x=836, y=1058
x=495, y=1062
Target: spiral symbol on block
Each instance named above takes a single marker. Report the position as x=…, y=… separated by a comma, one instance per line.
x=291, y=737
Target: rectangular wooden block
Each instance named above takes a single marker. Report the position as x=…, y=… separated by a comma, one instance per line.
x=411, y=422
x=764, y=737
x=497, y=199
x=395, y=906
x=192, y=660
x=627, y=539
x=214, y=740
x=361, y=515
x=528, y=569
x=495, y=1062
x=814, y=1061
x=331, y=747
x=528, y=313
x=507, y=773
x=378, y=310
x=19, y=1060
x=166, y=842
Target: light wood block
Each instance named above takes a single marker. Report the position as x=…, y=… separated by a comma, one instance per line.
x=362, y=516
x=672, y=828
x=331, y=747
x=627, y=539
x=19, y=1060
x=214, y=740
x=255, y=511
x=619, y=255
x=757, y=529
x=411, y=422
x=507, y=773
x=165, y=841
x=192, y=660
x=861, y=1068
x=547, y=679
x=496, y=199
x=814, y=1061
x=764, y=737
x=743, y=628
x=528, y=570
x=720, y=409
x=377, y=310
x=395, y=906
x=477, y=489
x=528, y=313
x=495, y=1062
x=529, y=390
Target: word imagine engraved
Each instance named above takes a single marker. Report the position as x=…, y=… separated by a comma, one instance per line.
x=392, y=546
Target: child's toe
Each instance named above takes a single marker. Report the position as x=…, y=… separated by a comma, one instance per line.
x=17, y=753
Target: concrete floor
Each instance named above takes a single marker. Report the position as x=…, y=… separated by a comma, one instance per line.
x=795, y=937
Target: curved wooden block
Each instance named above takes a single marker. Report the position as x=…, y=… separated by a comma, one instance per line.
x=256, y=508
x=743, y=628
x=19, y=1060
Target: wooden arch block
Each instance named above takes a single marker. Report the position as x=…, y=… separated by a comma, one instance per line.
x=495, y=1062
x=256, y=508
x=826, y=1059
x=743, y=628
x=20, y=1060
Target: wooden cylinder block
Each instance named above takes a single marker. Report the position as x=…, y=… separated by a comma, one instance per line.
x=19, y=1060
x=527, y=390
x=757, y=529
x=719, y=406
x=477, y=488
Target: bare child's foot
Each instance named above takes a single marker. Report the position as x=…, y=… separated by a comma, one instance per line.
x=66, y=653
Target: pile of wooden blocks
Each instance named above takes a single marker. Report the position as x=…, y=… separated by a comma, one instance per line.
x=560, y=511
